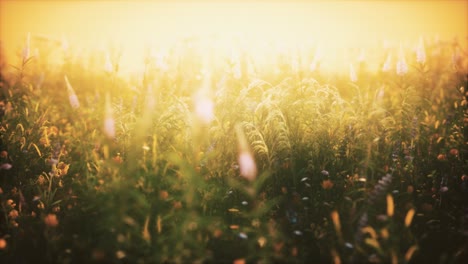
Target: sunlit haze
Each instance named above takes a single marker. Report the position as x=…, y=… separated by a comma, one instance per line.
x=134, y=25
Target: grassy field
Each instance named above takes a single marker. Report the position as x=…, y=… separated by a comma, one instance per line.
x=205, y=157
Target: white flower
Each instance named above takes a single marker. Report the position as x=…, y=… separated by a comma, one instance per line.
x=248, y=168
x=362, y=56
x=388, y=62
x=401, y=66
x=109, y=123
x=71, y=94
x=27, y=48
x=74, y=101
x=108, y=64
x=6, y=166
x=421, y=52
x=352, y=73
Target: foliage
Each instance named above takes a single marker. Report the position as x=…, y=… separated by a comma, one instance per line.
x=371, y=170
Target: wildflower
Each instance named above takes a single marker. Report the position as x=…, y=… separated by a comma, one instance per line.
x=3, y=154
x=13, y=214
x=410, y=252
x=239, y=261
x=420, y=52
x=3, y=243
x=52, y=131
x=108, y=64
x=248, y=168
x=120, y=254
x=163, y=195
x=454, y=152
x=177, y=205
x=51, y=220
x=243, y=235
x=27, y=48
x=390, y=205
x=362, y=56
x=336, y=221
x=52, y=161
x=327, y=184
x=352, y=73
x=6, y=166
x=71, y=94
x=10, y=203
x=62, y=169
x=41, y=180
x=388, y=62
x=261, y=241
x=401, y=67
x=109, y=123
x=409, y=217
x=441, y=157
x=118, y=159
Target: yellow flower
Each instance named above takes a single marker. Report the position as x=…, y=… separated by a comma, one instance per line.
x=62, y=169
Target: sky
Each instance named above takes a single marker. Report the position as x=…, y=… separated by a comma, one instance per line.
x=135, y=23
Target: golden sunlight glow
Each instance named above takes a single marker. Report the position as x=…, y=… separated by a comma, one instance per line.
x=134, y=25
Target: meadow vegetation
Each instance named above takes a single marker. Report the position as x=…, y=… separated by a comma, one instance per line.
x=209, y=158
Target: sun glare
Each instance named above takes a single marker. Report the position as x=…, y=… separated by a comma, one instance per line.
x=261, y=28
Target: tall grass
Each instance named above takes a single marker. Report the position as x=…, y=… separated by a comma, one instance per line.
x=367, y=168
